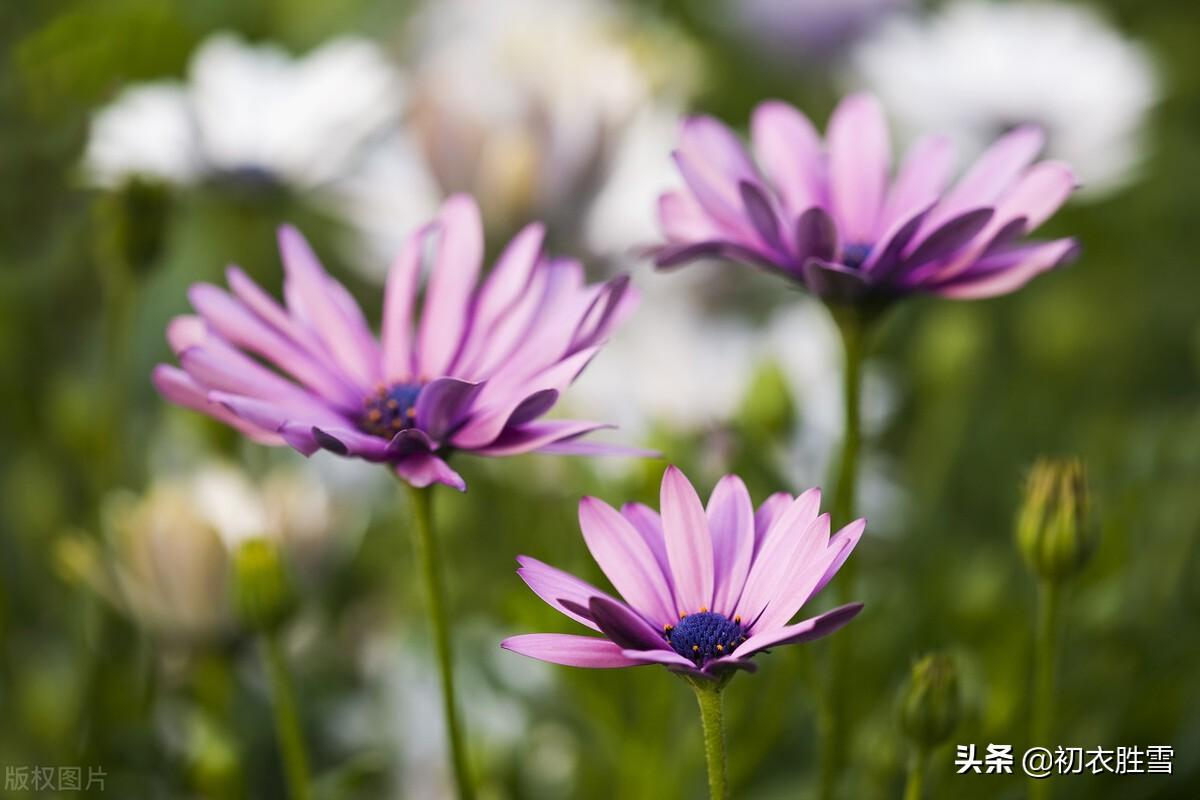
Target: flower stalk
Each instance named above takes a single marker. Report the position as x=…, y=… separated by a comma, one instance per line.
x=914, y=786
x=435, y=594
x=712, y=721
x=1045, y=665
x=287, y=718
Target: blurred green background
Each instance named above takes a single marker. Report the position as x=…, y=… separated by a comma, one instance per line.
x=1099, y=360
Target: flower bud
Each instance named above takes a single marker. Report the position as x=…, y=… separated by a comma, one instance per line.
x=930, y=703
x=1053, y=533
x=262, y=589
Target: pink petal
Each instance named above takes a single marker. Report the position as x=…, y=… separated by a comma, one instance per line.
x=768, y=512
x=624, y=626
x=788, y=533
x=682, y=219
x=509, y=279
x=689, y=542
x=626, y=560
x=243, y=328
x=569, y=650
x=790, y=151
x=991, y=174
x=731, y=522
x=843, y=544
x=455, y=270
x=537, y=436
x=426, y=469
x=667, y=657
x=859, y=156
x=399, y=301
x=1006, y=273
x=554, y=586
x=327, y=306
x=805, y=631
x=921, y=180
x=647, y=522
x=178, y=387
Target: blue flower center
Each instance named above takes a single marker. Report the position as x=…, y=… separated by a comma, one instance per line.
x=705, y=635
x=853, y=255
x=390, y=410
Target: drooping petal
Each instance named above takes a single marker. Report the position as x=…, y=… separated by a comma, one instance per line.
x=625, y=559
x=805, y=631
x=570, y=650
x=554, y=586
x=455, y=270
x=731, y=522
x=688, y=541
x=682, y=219
x=859, y=155
x=425, y=469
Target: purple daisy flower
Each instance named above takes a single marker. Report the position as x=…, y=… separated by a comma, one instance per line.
x=704, y=588
x=826, y=215
x=475, y=372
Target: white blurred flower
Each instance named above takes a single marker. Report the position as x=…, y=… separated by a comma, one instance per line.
x=165, y=560
x=324, y=125
x=978, y=68
x=672, y=363
x=520, y=101
x=809, y=30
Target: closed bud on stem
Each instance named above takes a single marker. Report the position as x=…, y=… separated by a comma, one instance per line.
x=263, y=596
x=930, y=704
x=1053, y=530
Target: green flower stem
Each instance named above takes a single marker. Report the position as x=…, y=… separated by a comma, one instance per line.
x=430, y=563
x=287, y=719
x=854, y=327
x=712, y=720
x=914, y=787
x=1049, y=605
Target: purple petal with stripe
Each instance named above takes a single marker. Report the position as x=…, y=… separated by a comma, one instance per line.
x=688, y=540
x=625, y=560
x=555, y=586
x=805, y=631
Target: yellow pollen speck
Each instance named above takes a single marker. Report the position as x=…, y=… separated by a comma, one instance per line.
x=703, y=609
x=682, y=614
x=393, y=404
x=374, y=415
x=737, y=618
x=411, y=413
x=695, y=648
x=720, y=648
x=397, y=424
x=668, y=628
